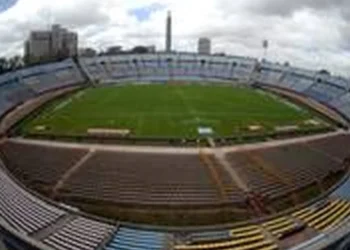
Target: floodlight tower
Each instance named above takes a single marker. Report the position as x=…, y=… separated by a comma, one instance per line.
x=265, y=45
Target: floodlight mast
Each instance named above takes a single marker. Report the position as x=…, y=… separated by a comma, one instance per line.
x=265, y=44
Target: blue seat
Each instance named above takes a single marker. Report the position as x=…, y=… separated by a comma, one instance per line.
x=132, y=239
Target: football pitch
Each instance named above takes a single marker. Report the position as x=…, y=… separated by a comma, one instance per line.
x=168, y=111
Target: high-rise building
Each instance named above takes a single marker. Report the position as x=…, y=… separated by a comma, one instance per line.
x=204, y=46
x=168, y=33
x=57, y=43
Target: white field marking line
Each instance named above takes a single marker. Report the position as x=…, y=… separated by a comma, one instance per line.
x=65, y=103
x=105, y=100
x=199, y=120
x=170, y=120
x=281, y=100
x=62, y=105
x=263, y=93
x=258, y=114
x=140, y=122
x=79, y=94
x=292, y=105
x=212, y=116
x=189, y=108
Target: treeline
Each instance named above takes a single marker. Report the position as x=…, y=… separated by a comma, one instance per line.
x=10, y=64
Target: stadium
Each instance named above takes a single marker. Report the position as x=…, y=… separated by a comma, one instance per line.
x=174, y=151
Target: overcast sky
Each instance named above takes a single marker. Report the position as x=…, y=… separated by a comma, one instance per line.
x=308, y=33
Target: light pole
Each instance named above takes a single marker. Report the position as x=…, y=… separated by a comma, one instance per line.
x=265, y=44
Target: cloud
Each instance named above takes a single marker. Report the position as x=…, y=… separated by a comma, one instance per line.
x=286, y=8
x=308, y=33
x=90, y=13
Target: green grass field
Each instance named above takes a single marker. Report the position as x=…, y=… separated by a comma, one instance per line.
x=167, y=110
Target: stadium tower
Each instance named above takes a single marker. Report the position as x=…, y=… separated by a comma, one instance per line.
x=168, y=33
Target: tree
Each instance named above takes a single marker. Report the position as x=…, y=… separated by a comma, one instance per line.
x=324, y=72
x=10, y=64
x=3, y=65
x=15, y=62
x=140, y=50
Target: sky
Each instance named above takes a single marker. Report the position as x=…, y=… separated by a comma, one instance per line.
x=6, y=4
x=312, y=34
